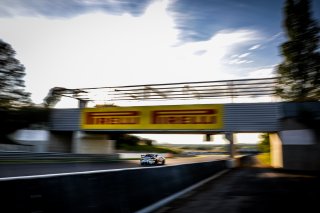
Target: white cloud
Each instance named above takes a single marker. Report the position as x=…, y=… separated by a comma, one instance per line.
x=264, y=72
x=244, y=55
x=275, y=36
x=240, y=59
x=254, y=47
x=101, y=50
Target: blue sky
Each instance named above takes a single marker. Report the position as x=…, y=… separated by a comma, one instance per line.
x=88, y=43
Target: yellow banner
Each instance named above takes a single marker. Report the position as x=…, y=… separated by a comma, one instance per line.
x=176, y=117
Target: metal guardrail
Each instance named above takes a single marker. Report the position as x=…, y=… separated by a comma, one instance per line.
x=9, y=156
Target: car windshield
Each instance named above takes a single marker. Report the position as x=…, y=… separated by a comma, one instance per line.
x=149, y=155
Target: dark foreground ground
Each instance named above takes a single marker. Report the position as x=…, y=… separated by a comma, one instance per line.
x=253, y=189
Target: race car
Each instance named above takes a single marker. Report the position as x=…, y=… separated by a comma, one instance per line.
x=152, y=159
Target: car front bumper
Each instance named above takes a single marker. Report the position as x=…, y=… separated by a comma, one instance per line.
x=147, y=162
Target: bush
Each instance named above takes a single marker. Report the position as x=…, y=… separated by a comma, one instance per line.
x=264, y=143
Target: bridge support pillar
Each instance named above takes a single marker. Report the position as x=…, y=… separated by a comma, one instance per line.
x=82, y=104
x=296, y=149
x=276, y=152
x=230, y=137
x=60, y=141
x=89, y=143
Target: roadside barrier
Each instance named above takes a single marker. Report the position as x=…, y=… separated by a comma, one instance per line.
x=55, y=157
x=118, y=190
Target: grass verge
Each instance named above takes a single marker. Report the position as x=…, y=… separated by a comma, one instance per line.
x=264, y=159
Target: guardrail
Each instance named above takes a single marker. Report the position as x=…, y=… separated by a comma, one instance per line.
x=55, y=157
x=102, y=191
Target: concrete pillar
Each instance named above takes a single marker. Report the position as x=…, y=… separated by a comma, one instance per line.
x=276, y=152
x=300, y=149
x=89, y=143
x=82, y=103
x=60, y=142
x=76, y=140
x=208, y=137
x=230, y=137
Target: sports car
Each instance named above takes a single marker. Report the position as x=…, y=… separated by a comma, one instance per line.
x=152, y=159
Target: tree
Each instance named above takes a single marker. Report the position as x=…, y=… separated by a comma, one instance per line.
x=299, y=73
x=124, y=140
x=264, y=143
x=14, y=119
x=53, y=97
x=14, y=113
x=12, y=94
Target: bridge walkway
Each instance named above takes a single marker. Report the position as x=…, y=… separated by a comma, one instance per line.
x=252, y=189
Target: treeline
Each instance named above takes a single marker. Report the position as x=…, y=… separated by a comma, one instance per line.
x=14, y=119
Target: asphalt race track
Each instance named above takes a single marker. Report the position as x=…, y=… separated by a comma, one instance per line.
x=30, y=169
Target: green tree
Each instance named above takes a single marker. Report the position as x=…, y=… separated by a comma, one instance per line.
x=15, y=104
x=124, y=139
x=299, y=73
x=12, y=94
x=14, y=119
x=53, y=97
x=264, y=143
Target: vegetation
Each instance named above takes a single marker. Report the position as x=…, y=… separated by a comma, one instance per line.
x=264, y=143
x=148, y=148
x=137, y=144
x=12, y=120
x=53, y=97
x=123, y=140
x=299, y=73
x=264, y=157
x=16, y=109
x=12, y=94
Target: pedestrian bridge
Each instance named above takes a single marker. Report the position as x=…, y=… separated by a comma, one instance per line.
x=236, y=117
x=294, y=144
x=293, y=127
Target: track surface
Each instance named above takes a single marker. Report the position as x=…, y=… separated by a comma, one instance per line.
x=30, y=169
x=252, y=190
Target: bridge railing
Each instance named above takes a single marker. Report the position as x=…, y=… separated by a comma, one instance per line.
x=223, y=89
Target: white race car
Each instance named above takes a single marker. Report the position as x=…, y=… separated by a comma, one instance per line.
x=152, y=159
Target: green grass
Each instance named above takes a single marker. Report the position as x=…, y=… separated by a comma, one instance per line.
x=264, y=159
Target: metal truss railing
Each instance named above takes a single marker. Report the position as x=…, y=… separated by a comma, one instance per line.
x=259, y=87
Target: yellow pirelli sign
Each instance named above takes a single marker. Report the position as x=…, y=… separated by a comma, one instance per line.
x=176, y=117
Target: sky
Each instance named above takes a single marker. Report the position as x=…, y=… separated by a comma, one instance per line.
x=95, y=43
